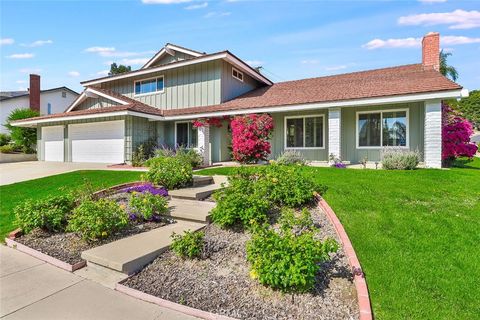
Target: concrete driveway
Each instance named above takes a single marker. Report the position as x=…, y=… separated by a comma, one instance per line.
x=22, y=171
x=33, y=289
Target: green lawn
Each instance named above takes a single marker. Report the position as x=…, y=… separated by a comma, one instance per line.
x=417, y=235
x=16, y=193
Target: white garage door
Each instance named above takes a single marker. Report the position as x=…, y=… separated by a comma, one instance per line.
x=101, y=142
x=53, y=143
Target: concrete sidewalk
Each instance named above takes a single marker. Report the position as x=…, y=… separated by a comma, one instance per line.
x=32, y=289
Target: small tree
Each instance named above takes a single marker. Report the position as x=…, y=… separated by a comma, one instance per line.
x=117, y=69
x=446, y=69
x=250, y=134
x=456, y=132
x=469, y=107
x=26, y=138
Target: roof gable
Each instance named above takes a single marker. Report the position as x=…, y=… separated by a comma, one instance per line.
x=171, y=53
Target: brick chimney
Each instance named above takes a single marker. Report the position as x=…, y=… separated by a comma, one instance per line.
x=34, y=92
x=431, y=51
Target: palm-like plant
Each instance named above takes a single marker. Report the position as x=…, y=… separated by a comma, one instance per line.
x=445, y=69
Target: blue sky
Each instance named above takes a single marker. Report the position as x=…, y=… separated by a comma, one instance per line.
x=70, y=41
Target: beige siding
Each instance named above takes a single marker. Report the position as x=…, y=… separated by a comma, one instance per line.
x=231, y=87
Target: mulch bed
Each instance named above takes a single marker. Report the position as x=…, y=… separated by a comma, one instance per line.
x=220, y=283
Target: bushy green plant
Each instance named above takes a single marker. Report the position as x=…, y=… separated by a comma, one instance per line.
x=49, y=214
x=146, y=205
x=25, y=138
x=191, y=156
x=169, y=172
x=97, y=219
x=395, y=159
x=4, y=139
x=188, y=245
x=291, y=157
x=8, y=148
x=288, y=258
x=139, y=157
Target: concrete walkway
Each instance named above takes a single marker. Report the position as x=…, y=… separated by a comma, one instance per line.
x=32, y=289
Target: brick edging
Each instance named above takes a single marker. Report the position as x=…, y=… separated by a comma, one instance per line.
x=358, y=275
x=44, y=257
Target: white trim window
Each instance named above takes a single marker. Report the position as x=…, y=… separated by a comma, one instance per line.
x=382, y=128
x=237, y=74
x=305, y=132
x=148, y=86
x=186, y=134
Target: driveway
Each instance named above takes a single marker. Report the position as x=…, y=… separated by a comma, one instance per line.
x=22, y=171
x=33, y=289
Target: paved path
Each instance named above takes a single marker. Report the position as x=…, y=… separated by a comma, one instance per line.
x=32, y=289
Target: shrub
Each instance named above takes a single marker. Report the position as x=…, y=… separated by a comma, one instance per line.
x=49, y=214
x=250, y=134
x=147, y=206
x=169, y=172
x=290, y=157
x=97, y=219
x=288, y=258
x=398, y=159
x=188, y=245
x=8, y=148
x=191, y=156
x=4, y=139
x=139, y=157
x=25, y=138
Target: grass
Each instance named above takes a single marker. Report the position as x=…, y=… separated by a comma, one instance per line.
x=14, y=194
x=417, y=235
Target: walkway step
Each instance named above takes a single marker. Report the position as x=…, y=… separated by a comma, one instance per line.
x=104, y=276
x=199, y=193
x=129, y=255
x=191, y=210
x=199, y=181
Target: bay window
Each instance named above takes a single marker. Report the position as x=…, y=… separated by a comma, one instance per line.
x=304, y=132
x=382, y=129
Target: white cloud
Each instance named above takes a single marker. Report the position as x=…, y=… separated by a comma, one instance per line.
x=310, y=61
x=197, y=6
x=215, y=14
x=336, y=68
x=30, y=70
x=135, y=61
x=103, y=73
x=37, y=43
x=254, y=63
x=432, y=1
x=458, y=19
x=21, y=81
x=417, y=42
x=21, y=56
x=165, y=1
x=74, y=74
x=100, y=49
x=6, y=41
x=453, y=40
x=112, y=52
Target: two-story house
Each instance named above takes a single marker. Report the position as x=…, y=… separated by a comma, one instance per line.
x=351, y=116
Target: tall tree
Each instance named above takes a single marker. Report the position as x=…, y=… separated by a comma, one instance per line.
x=445, y=69
x=117, y=69
x=26, y=138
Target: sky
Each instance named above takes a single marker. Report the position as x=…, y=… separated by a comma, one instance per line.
x=71, y=41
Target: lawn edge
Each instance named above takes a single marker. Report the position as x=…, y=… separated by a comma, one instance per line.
x=358, y=275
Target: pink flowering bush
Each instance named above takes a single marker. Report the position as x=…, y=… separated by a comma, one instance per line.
x=456, y=132
x=250, y=134
x=207, y=122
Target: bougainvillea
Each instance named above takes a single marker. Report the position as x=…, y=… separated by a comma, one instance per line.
x=456, y=132
x=250, y=134
x=207, y=122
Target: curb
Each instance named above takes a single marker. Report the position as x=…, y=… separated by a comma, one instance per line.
x=358, y=275
x=44, y=257
x=169, y=304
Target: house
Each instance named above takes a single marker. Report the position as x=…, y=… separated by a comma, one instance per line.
x=46, y=102
x=351, y=116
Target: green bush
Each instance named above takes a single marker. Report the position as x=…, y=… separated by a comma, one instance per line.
x=191, y=156
x=169, y=172
x=289, y=258
x=25, y=138
x=139, y=157
x=49, y=214
x=8, y=148
x=147, y=205
x=188, y=245
x=291, y=157
x=393, y=159
x=97, y=219
x=4, y=139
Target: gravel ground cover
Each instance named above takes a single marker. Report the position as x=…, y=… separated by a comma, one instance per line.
x=220, y=282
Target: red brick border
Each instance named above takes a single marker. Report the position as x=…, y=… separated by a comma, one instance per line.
x=359, y=277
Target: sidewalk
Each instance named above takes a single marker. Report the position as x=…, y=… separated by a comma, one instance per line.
x=32, y=289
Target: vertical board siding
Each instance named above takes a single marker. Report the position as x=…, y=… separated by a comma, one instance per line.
x=169, y=59
x=231, y=87
x=94, y=103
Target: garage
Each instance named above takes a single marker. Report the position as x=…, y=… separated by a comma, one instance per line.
x=101, y=142
x=53, y=143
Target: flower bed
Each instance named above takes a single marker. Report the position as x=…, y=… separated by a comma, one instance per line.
x=220, y=281
x=68, y=246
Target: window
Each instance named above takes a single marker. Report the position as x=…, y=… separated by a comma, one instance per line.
x=149, y=86
x=64, y=94
x=49, y=108
x=186, y=135
x=382, y=129
x=237, y=74
x=304, y=132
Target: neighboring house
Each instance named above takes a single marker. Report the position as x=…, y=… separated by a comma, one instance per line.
x=47, y=102
x=351, y=116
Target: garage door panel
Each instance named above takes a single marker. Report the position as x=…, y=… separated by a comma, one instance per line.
x=98, y=142
x=53, y=144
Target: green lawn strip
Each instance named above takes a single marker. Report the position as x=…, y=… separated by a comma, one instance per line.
x=416, y=234
x=14, y=194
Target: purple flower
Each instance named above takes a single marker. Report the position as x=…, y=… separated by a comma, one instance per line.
x=340, y=165
x=132, y=216
x=147, y=187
